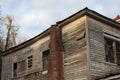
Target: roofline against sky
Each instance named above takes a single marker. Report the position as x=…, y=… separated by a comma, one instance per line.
x=73, y=17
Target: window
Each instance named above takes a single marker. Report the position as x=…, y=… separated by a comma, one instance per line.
x=45, y=59
x=21, y=66
x=109, y=50
x=30, y=60
x=112, y=50
x=118, y=52
x=14, y=69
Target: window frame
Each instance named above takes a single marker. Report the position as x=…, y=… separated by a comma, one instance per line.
x=114, y=47
x=45, y=57
x=30, y=61
x=15, y=71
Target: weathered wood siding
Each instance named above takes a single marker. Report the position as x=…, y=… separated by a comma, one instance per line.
x=32, y=73
x=98, y=67
x=75, y=58
x=84, y=57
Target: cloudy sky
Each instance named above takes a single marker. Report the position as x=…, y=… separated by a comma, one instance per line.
x=34, y=16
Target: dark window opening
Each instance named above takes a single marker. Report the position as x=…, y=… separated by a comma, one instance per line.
x=45, y=59
x=14, y=69
x=112, y=50
x=109, y=50
x=118, y=52
x=30, y=61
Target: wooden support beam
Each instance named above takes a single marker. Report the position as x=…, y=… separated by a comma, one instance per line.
x=115, y=52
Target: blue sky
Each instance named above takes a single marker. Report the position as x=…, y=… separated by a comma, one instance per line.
x=34, y=16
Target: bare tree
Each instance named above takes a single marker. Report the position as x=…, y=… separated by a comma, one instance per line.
x=10, y=39
x=2, y=36
x=9, y=27
x=9, y=33
x=1, y=39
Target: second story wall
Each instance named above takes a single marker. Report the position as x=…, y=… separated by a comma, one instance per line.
x=28, y=61
x=97, y=32
x=75, y=45
x=75, y=57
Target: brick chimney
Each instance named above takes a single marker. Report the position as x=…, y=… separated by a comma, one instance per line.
x=117, y=19
x=56, y=57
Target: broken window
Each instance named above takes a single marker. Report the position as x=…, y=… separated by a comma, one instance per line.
x=109, y=50
x=118, y=52
x=14, y=69
x=45, y=59
x=30, y=61
x=112, y=50
x=21, y=65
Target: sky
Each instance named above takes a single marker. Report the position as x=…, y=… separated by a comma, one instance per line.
x=35, y=16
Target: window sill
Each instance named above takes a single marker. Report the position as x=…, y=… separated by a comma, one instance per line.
x=114, y=64
x=44, y=72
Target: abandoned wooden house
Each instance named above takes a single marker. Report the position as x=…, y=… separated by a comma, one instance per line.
x=84, y=46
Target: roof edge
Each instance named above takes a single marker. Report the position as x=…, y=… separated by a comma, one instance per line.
x=63, y=22
x=88, y=12
x=26, y=43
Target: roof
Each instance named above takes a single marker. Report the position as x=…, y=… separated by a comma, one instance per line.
x=118, y=17
x=73, y=17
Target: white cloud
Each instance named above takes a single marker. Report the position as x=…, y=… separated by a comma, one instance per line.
x=27, y=19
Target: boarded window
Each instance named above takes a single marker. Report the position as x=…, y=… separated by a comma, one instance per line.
x=14, y=69
x=30, y=61
x=45, y=59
